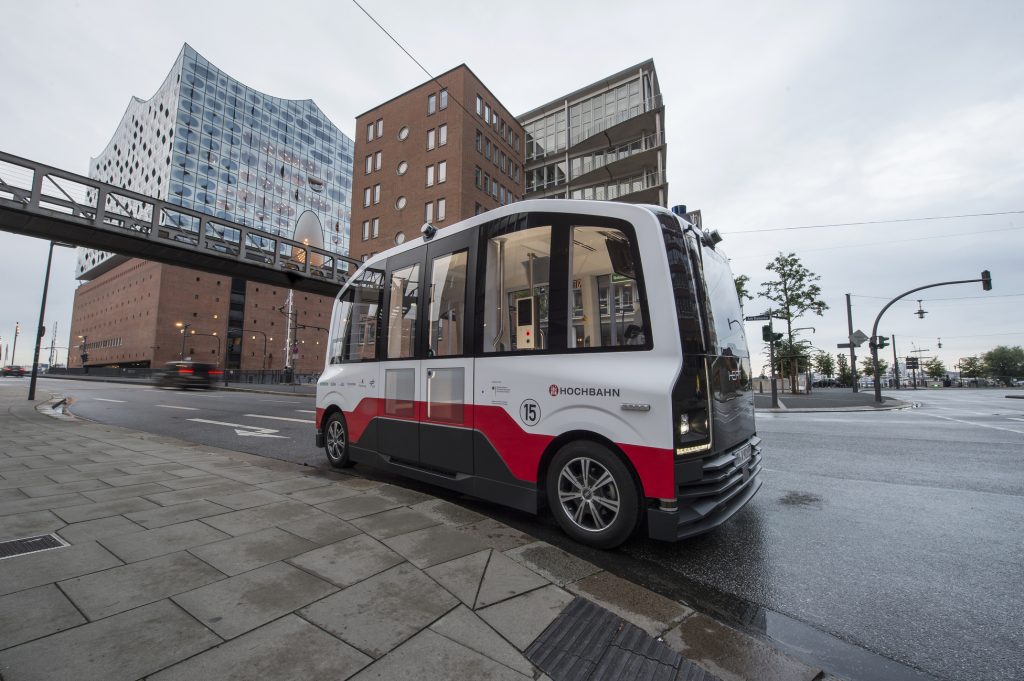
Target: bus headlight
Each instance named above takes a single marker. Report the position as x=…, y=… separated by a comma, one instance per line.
x=693, y=432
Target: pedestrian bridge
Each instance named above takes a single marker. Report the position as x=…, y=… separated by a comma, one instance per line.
x=48, y=203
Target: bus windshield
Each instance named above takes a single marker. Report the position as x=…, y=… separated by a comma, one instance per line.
x=724, y=311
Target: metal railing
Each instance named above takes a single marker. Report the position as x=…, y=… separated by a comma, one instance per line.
x=85, y=207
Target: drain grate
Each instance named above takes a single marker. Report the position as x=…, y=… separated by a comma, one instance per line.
x=19, y=547
x=588, y=643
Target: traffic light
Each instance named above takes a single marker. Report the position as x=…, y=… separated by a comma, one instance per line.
x=986, y=280
x=766, y=333
x=883, y=341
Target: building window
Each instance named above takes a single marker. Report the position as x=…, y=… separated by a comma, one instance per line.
x=479, y=106
x=403, y=167
x=376, y=193
x=380, y=127
x=366, y=230
x=367, y=196
x=442, y=171
x=431, y=139
x=487, y=148
x=442, y=135
x=428, y=211
x=376, y=228
x=487, y=113
x=479, y=141
x=403, y=133
x=444, y=99
x=440, y=210
x=369, y=132
x=377, y=160
x=400, y=203
x=399, y=238
x=431, y=104
x=478, y=177
x=477, y=209
x=430, y=176
x=369, y=164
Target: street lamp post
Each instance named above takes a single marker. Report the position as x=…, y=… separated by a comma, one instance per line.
x=263, y=367
x=84, y=354
x=184, y=328
x=212, y=335
x=40, y=330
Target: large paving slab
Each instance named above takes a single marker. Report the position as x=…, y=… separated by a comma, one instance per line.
x=522, y=619
x=505, y=578
x=44, y=567
x=239, y=604
x=434, y=545
x=358, y=506
x=463, y=626
x=100, y=528
x=242, y=500
x=556, y=565
x=392, y=523
x=249, y=551
x=284, y=650
x=113, y=493
x=124, y=647
x=318, y=495
x=33, y=613
x=302, y=482
x=29, y=504
x=321, y=528
x=252, y=519
x=105, y=593
x=28, y=524
x=462, y=576
x=432, y=657
x=381, y=612
x=348, y=561
x=209, y=490
x=63, y=488
x=179, y=513
x=157, y=542
x=103, y=509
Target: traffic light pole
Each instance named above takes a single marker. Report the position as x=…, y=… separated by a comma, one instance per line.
x=986, y=283
x=895, y=363
x=853, y=351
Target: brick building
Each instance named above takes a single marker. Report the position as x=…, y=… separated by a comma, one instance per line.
x=439, y=153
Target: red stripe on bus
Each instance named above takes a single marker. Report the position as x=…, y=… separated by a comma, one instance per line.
x=520, y=450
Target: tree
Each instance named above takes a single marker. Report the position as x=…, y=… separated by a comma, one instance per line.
x=824, y=364
x=843, y=369
x=790, y=360
x=935, y=368
x=971, y=367
x=741, y=288
x=794, y=292
x=1004, y=362
x=868, y=366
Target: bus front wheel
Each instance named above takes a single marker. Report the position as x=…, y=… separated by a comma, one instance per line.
x=336, y=441
x=592, y=495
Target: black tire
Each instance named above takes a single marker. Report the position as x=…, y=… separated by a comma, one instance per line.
x=582, y=503
x=336, y=441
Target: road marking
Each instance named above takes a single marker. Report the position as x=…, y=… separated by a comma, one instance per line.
x=279, y=418
x=306, y=411
x=174, y=406
x=243, y=430
x=970, y=423
x=103, y=399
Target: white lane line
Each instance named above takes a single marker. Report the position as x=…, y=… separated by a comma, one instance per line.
x=245, y=430
x=174, y=406
x=971, y=423
x=103, y=399
x=286, y=401
x=279, y=418
x=306, y=411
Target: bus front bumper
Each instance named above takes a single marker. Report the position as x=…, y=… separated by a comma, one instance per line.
x=709, y=491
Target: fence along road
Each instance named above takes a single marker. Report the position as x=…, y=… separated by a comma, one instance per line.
x=48, y=203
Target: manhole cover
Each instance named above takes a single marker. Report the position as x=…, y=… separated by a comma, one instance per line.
x=19, y=547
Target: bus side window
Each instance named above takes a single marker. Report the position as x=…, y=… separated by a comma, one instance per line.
x=604, y=301
x=356, y=316
x=405, y=291
x=516, y=291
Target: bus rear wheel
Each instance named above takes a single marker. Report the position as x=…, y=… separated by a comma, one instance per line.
x=592, y=495
x=336, y=441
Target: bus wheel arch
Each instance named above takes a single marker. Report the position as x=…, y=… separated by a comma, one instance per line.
x=603, y=529
x=336, y=440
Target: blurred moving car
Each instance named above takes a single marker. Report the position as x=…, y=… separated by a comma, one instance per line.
x=826, y=383
x=185, y=374
x=14, y=371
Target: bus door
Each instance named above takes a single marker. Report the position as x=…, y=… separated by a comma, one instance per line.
x=398, y=435
x=446, y=372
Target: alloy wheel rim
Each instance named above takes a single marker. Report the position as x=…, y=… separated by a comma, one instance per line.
x=588, y=494
x=335, y=440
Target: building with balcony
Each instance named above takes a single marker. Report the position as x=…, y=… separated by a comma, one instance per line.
x=208, y=142
x=605, y=141
x=439, y=153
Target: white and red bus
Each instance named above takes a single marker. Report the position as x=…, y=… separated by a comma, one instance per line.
x=585, y=356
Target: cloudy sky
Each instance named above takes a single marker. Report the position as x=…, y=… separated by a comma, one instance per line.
x=779, y=115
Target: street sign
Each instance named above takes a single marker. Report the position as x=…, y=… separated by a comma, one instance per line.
x=912, y=363
x=844, y=346
x=758, y=317
x=858, y=338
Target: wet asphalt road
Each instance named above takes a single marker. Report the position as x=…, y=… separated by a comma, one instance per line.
x=895, y=535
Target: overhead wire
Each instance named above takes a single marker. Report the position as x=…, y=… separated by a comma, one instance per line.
x=872, y=222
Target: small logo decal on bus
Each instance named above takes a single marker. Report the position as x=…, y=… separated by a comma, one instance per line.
x=553, y=390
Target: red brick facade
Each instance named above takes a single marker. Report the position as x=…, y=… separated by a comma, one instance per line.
x=399, y=131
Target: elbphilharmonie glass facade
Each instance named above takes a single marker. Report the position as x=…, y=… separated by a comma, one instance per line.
x=208, y=142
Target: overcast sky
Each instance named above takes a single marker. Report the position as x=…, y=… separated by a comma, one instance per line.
x=778, y=115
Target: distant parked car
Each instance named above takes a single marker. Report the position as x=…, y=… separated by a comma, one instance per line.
x=185, y=375
x=826, y=383
x=14, y=371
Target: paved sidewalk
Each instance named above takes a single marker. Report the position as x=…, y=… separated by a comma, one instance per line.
x=191, y=562
x=833, y=399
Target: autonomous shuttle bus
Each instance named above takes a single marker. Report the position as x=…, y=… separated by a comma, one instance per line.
x=587, y=356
